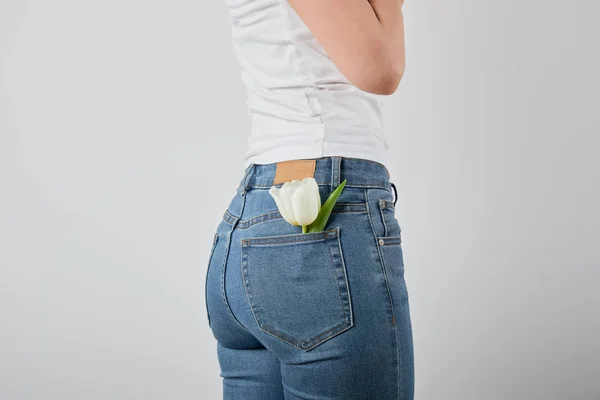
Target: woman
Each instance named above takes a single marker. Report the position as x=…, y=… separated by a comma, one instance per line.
x=321, y=315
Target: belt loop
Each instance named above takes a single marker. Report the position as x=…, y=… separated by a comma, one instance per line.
x=395, y=193
x=335, y=171
x=244, y=184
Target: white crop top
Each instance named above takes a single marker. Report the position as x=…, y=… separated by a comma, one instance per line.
x=300, y=104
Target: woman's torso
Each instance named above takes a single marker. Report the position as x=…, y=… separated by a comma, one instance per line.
x=300, y=104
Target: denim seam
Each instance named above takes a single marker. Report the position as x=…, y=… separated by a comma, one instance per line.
x=310, y=237
x=227, y=251
x=359, y=159
x=381, y=263
x=308, y=344
x=383, y=217
x=282, y=243
x=345, y=271
x=380, y=259
x=245, y=224
x=326, y=183
x=210, y=258
x=389, y=240
x=271, y=215
x=335, y=275
x=386, y=205
x=230, y=218
x=246, y=282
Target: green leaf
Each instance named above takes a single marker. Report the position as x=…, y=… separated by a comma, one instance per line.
x=319, y=224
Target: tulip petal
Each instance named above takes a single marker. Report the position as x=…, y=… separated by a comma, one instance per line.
x=305, y=205
x=285, y=193
x=314, y=186
x=275, y=193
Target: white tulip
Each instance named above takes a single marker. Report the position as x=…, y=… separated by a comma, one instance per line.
x=298, y=201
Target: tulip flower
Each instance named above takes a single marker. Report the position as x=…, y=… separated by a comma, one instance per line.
x=299, y=203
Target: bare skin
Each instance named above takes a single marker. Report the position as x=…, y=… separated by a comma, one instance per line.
x=364, y=39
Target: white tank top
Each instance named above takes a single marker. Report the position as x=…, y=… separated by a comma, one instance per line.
x=300, y=104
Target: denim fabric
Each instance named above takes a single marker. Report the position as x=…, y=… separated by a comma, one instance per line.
x=322, y=315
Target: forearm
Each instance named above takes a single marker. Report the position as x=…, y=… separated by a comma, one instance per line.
x=364, y=39
x=391, y=19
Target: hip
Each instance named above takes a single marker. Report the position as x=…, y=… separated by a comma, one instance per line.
x=311, y=294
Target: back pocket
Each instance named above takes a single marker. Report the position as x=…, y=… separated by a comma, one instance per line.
x=297, y=286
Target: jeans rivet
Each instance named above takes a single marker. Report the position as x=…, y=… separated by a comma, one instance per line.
x=381, y=242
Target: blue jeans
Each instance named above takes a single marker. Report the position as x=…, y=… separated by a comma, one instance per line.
x=322, y=315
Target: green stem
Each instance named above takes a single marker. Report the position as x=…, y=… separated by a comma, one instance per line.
x=304, y=228
x=326, y=208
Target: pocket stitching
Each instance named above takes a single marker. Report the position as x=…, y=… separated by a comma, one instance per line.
x=389, y=240
x=347, y=321
x=387, y=205
x=310, y=237
x=382, y=206
x=336, y=277
x=393, y=242
x=272, y=215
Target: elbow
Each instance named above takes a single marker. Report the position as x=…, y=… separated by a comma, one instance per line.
x=385, y=84
x=380, y=80
x=381, y=77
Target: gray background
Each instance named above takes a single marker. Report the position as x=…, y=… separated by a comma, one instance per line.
x=122, y=133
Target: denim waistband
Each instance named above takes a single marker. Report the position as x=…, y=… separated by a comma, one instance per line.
x=331, y=171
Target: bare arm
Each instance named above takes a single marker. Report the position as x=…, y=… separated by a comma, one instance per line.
x=364, y=38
